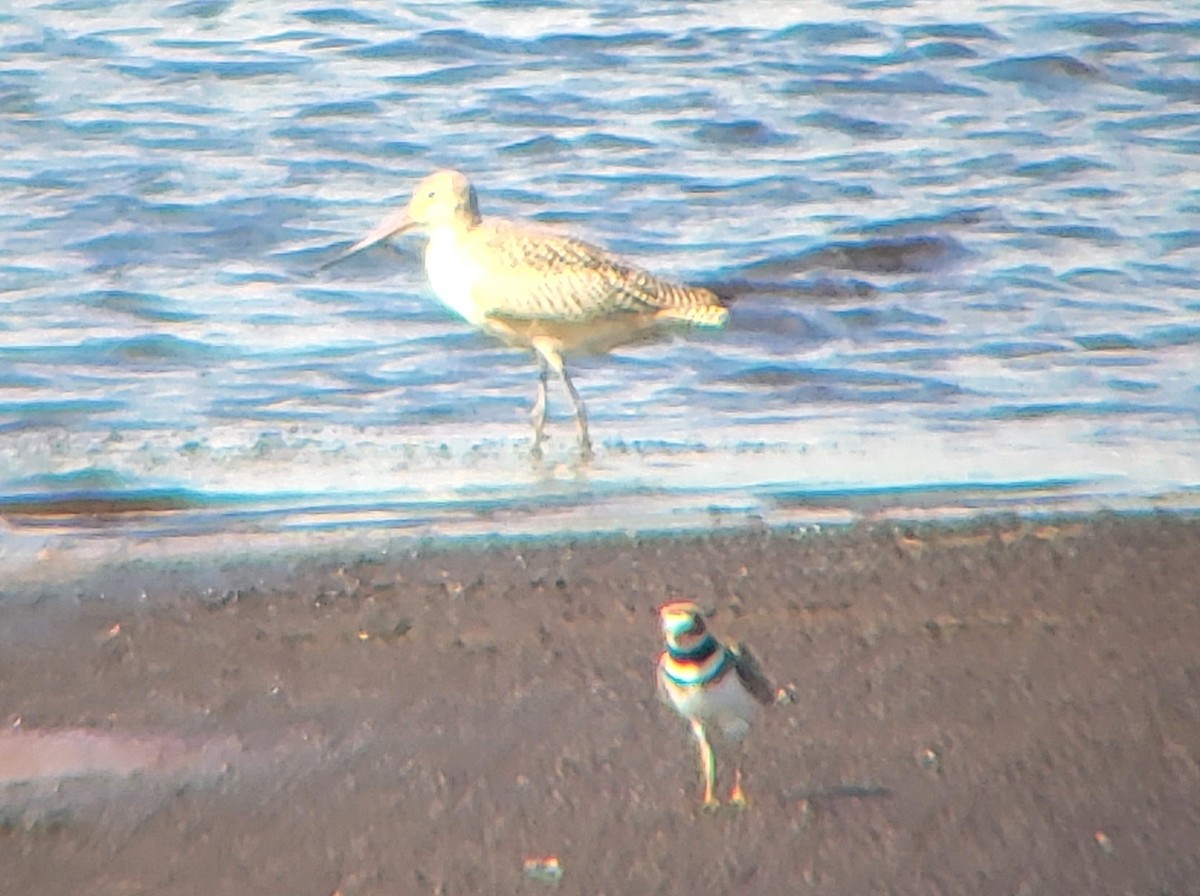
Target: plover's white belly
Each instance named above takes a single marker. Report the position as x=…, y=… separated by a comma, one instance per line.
x=452, y=276
x=725, y=704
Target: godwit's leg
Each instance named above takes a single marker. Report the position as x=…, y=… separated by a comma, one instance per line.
x=551, y=356
x=539, y=407
x=585, y=442
x=708, y=765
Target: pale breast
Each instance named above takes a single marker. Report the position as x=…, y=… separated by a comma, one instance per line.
x=724, y=703
x=453, y=276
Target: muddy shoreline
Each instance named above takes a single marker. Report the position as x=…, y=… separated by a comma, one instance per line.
x=993, y=707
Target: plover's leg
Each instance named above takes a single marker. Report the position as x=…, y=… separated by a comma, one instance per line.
x=708, y=765
x=737, y=796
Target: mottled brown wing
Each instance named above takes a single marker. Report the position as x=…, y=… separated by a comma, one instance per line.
x=541, y=274
x=752, y=675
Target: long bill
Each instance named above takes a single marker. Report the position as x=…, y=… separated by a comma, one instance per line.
x=396, y=222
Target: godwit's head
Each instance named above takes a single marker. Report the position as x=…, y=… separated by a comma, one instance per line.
x=444, y=198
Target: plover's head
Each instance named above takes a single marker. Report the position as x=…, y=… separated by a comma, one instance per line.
x=681, y=620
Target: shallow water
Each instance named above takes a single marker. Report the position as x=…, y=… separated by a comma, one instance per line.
x=964, y=248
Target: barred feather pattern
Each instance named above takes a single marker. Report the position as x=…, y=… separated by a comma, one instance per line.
x=535, y=288
x=536, y=274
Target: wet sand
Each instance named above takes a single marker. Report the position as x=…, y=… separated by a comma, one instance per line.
x=998, y=707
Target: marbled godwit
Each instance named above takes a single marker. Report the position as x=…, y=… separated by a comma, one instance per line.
x=535, y=288
x=708, y=682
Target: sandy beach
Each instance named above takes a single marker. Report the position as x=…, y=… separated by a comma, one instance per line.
x=999, y=707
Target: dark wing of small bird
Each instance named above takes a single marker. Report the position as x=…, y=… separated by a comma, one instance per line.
x=752, y=675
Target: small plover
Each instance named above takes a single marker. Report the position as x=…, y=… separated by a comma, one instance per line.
x=709, y=683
